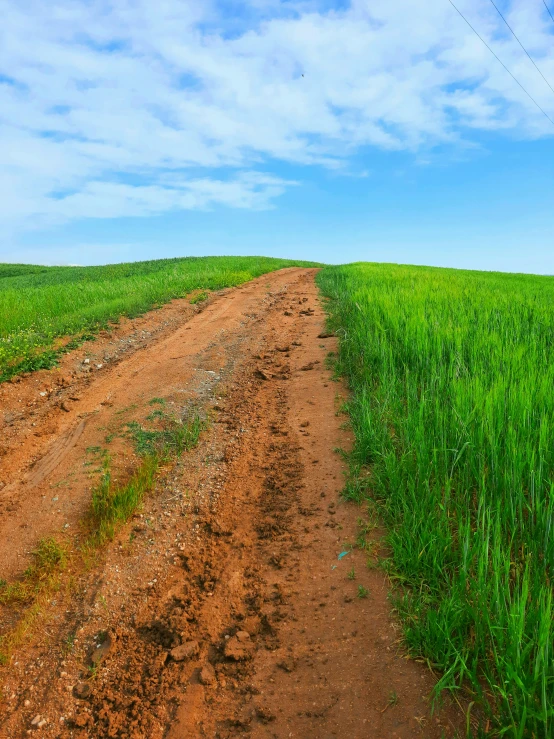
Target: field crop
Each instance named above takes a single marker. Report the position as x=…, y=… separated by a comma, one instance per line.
x=452, y=379
x=40, y=305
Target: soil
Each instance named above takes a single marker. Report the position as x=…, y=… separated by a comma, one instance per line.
x=238, y=601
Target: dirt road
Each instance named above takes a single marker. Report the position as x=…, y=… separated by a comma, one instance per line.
x=236, y=602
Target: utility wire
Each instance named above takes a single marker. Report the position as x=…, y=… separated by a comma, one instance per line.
x=502, y=63
x=549, y=11
x=522, y=46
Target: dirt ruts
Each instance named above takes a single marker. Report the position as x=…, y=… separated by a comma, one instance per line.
x=238, y=601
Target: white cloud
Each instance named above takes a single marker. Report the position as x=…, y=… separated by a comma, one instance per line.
x=129, y=107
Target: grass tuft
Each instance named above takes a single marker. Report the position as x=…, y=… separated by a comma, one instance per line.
x=36, y=586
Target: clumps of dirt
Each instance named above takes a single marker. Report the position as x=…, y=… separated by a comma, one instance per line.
x=204, y=621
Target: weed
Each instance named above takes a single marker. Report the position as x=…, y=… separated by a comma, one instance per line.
x=351, y=574
x=199, y=297
x=392, y=701
x=362, y=592
x=127, y=408
x=33, y=590
x=157, y=401
x=92, y=671
x=49, y=558
x=68, y=644
x=172, y=439
x=112, y=505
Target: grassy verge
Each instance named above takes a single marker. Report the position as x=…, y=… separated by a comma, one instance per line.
x=38, y=305
x=452, y=406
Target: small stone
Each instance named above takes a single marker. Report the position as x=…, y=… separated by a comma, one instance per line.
x=82, y=690
x=64, y=406
x=243, y=636
x=101, y=652
x=237, y=648
x=263, y=374
x=207, y=675
x=264, y=715
x=81, y=720
x=304, y=424
x=36, y=720
x=287, y=664
x=186, y=651
x=251, y=624
x=27, y=703
x=86, y=361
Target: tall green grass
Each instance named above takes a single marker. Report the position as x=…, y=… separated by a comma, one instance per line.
x=41, y=304
x=452, y=378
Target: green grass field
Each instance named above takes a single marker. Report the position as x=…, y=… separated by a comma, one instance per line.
x=38, y=305
x=452, y=378
x=452, y=405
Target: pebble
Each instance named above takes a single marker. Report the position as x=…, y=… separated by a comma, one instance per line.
x=186, y=651
x=207, y=675
x=101, y=651
x=82, y=690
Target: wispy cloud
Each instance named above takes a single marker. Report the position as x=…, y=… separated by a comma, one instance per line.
x=129, y=107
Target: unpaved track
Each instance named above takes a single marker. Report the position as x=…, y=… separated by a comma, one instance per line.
x=241, y=536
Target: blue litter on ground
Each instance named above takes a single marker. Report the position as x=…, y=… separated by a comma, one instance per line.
x=343, y=554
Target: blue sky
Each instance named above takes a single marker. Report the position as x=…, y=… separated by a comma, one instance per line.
x=136, y=130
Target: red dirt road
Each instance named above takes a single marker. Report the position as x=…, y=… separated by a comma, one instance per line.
x=223, y=606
